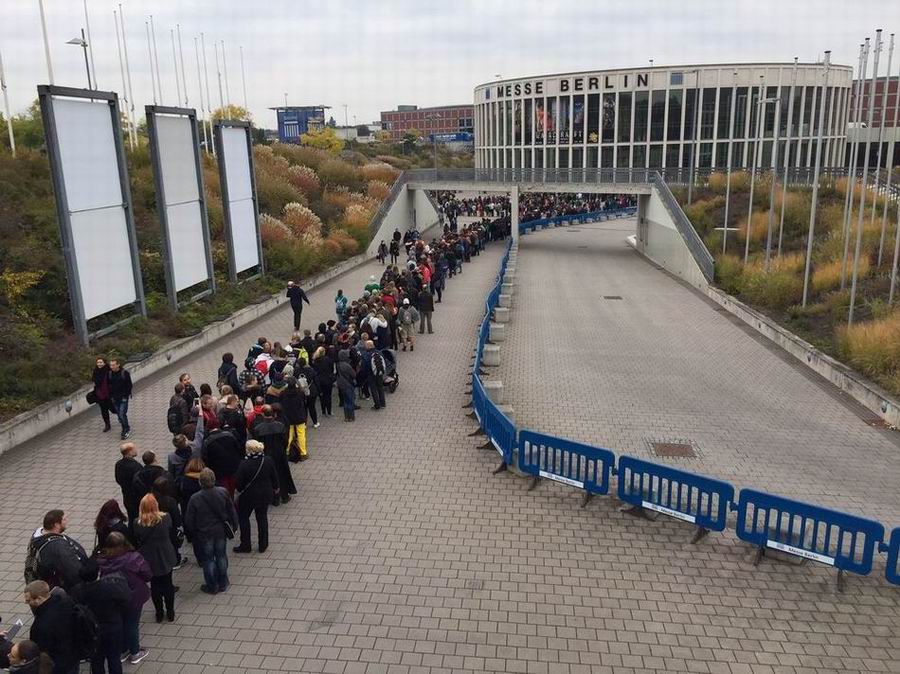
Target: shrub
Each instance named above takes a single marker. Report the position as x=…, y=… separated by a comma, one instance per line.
x=337, y=173
x=758, y=229
x=347, y=245
x=378, y=190
x=274, y=192
x=301, y=154
x=304, y=179
x=827, y=276
x=873, y=347
x=728, y=273
x=303, y=223
x=398, y=163
x=273, y=230
x=339, y=198
x=778, y=288
x=382, y=172
x=740, y=181
x=718, y=182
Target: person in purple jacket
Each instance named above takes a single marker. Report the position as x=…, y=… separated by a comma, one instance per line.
x=117, y=556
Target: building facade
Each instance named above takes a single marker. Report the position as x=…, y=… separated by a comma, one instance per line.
x=646, y=117
x=448, y=119
x=294, y=121
x=884, y=104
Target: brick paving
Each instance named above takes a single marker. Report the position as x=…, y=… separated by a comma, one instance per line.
x=403, y=554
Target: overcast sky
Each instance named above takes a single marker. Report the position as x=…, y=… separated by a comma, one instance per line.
x=374, y=54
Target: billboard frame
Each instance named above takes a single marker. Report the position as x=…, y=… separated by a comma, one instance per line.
x=46, y=93
x=150, y=112
x=223, y=182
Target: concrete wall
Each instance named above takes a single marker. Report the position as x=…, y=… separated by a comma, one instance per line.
x=659, y=240
x=410, y=206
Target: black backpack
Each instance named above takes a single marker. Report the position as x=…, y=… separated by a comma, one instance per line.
x=378, y=364
x=87, y=632
x=175, y=418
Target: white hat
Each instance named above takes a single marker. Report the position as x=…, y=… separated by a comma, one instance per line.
x=372, y=277
x=406, y=301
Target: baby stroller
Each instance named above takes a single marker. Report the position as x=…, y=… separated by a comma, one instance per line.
x=390, y=378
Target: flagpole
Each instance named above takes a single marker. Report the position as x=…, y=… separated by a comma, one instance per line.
x=244, y=80
x=775, y=133
x=128, y=74
x=756, y=148
x=181, y=56
x=225, y=68
x=787, y=154
x=887, y=81
x=122, y=74
x=150, y=56
x=219, y=74
x=730, y=160
x=865, y=176
x=208, y=98
x=890, y=174
x=156, y=59
x=90, y=41
x=815, y=187
x=854, y=160
x=202, y=104
x=9, y=126
x=46, y=41
x=175, y=63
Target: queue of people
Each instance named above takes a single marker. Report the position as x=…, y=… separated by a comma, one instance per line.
x=230, y=459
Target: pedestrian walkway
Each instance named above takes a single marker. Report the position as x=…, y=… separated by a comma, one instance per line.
x=402, y=553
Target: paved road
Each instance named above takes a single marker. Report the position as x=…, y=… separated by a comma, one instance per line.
x=404, y=554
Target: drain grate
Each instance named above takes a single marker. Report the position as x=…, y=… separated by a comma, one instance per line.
x=673, y=450
x=573, y=231
x=612, y=297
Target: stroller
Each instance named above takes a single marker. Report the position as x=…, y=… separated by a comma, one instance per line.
x=390, y=378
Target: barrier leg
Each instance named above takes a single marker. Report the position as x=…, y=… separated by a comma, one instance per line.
x=839, y=581
x=699, y=534
x=586, y=498
x=468, y=405
x=477, y=431
x=501, y=468
x=760, y=553
x=639, y=511
x=534, y=482
x=486, y=445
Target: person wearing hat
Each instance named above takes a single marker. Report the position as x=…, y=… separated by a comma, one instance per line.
x=408, y=316
x=372, y=286
x=297, y=297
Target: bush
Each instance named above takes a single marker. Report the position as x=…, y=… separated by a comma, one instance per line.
x=305, y=179
x=304, y=224
x=273, y=230
x=718, y=182
x=740, y=182
x=381, y=172
x=728, y=273
x=827, y=276
x=337, y=173
x=758, y=230
x=378, y=190
x=301, y=155
x=780, y=287
x=872, y=347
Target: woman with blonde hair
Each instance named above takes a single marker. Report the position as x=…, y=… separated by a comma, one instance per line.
x=257, y=484
x=153, y=534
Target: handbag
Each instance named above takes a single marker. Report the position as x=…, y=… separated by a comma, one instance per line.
x=252, y=480
x=91, y=397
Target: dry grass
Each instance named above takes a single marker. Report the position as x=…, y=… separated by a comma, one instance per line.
x=382, y=172
x=303, y=223
x=378, y=190
x=274, y=230
x=304, y=178
x=758, y=228
x=873, y=347
x=827, y=276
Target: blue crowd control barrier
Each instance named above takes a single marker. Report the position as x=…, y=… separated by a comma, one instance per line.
x=579, y=218
x=892, y=573
x=693, y=498
x=846, y=542
x=572, y=463
x=499, y=428
x=479, y=399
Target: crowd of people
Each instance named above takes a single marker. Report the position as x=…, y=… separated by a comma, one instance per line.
x=532, y=205
x=233, y=443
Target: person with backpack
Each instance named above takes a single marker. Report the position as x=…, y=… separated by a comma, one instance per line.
x=308, y=378
x=110, y=519
x=222, y=453
x=228, y=374
x=146, y=476
x=185, y=450
x=377, y=369
x=294, y=411
x=52, y=556
x=340, y=305
x=153, y=533
x=407, y=317
x=108, y=599
x=178, y=413
x=117, y=556
x=58, y=629
x=257, y=484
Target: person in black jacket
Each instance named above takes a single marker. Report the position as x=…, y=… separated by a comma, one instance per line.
x=52, y=556
x=257, y=481
x=426, y=308
x=108, y=598
x=323, y=364
x=119, y=393
x=25, y=657
x=146, y=476
x=273, y=434
x=53, y=629
x=297, y=297
x=228, y=374
x=100, y=377
x=209, y=514
x=126, y=468
x=293, y=409
x=222, y=453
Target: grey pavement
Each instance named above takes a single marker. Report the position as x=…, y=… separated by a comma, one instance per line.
x=403, y=554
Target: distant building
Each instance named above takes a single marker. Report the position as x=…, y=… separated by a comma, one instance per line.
x=445, y=119
x=885, y=103
x=294, y=121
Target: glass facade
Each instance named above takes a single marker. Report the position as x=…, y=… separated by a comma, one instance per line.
x=665, y=119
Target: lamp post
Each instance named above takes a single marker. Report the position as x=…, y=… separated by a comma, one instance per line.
x=81, y=42
x=756, y=154
x=730, y=151
x=787, y=143
x=434, y=115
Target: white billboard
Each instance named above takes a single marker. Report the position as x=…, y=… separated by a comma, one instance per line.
x=175, y=151
x=239, y=195
x=90, y=180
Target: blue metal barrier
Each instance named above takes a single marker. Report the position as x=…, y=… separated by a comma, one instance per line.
x=693, y=498
x=499, y=428
x=578, y=218
x=892, y=573
x=572, y=463
x=846, y=542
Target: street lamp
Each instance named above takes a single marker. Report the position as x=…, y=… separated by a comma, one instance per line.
x=696, y=125
x=81, y=42
x=757, y=152
x=429, y=117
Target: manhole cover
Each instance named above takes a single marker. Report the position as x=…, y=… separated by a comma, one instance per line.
x=612, y=297
x=573, y=231
x=673, y=450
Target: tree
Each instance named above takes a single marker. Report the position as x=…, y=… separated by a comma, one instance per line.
x=410, y=138
x=232, y=112
x=383, y=136
x=324, y=139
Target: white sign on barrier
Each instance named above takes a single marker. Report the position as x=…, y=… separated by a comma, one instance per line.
x=668, y=511
x=559, y=478
x=800, y=552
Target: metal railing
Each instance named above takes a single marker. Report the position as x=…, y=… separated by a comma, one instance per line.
x=693, y=241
